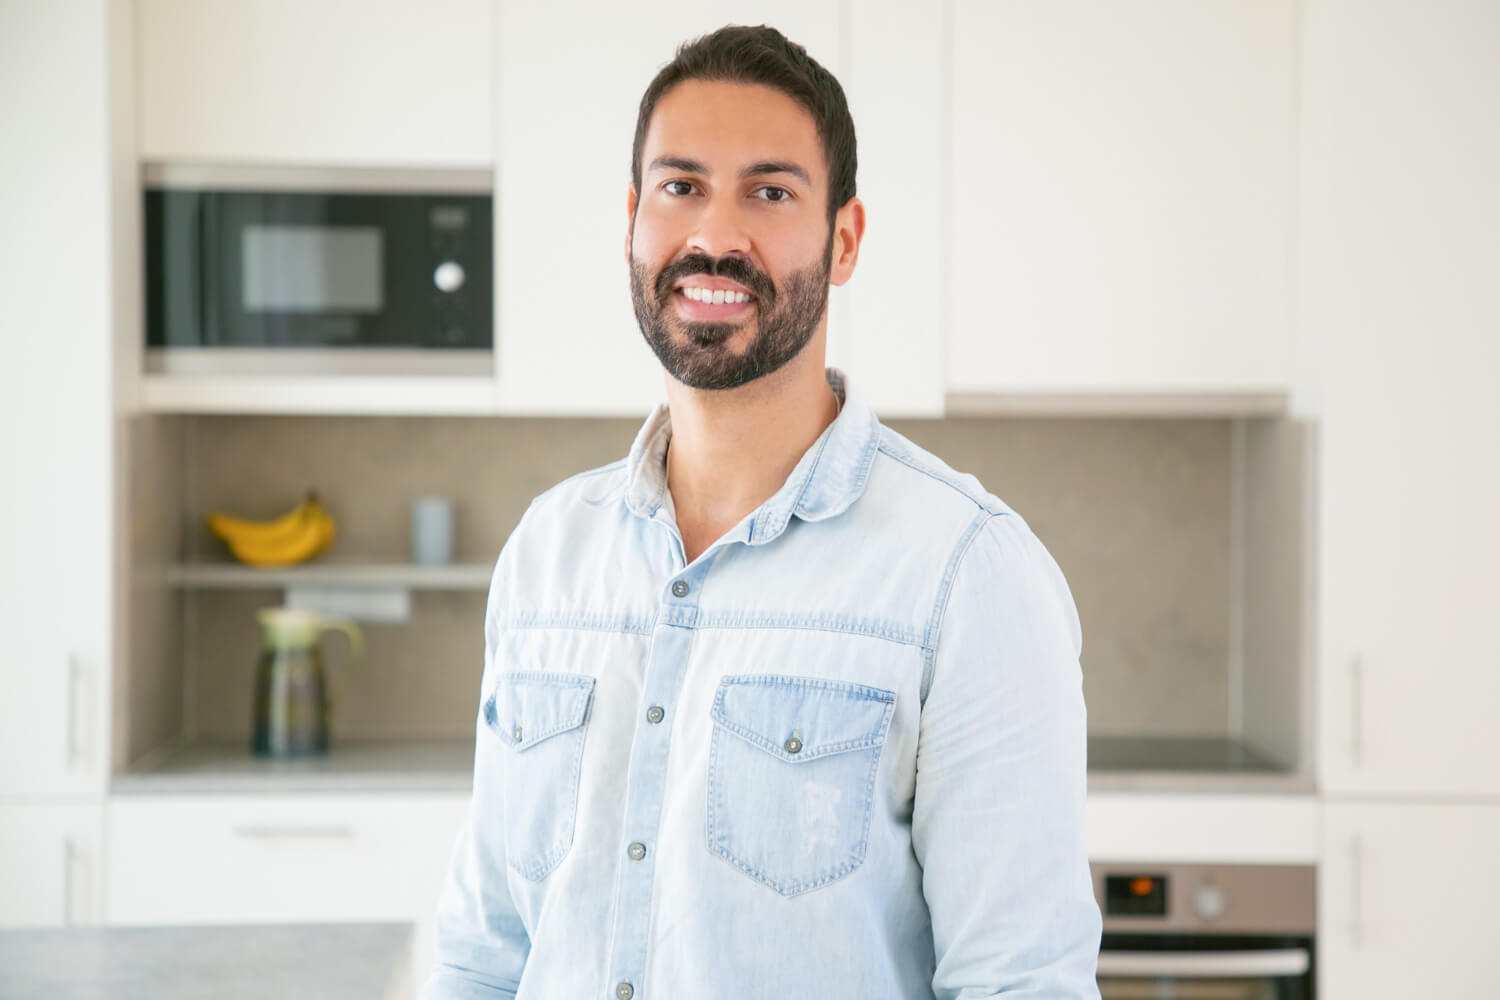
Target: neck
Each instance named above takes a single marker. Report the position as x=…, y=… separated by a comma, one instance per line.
x=732, y=449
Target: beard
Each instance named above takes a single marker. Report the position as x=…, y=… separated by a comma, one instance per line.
x=698, y=354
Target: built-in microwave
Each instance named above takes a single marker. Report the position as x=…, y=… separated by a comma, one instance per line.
x=280, y=270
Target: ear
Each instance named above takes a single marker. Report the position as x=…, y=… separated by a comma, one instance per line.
x=629, y=219
x=848, y=231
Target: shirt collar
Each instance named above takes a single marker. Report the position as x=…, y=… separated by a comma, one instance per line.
x=829, y=477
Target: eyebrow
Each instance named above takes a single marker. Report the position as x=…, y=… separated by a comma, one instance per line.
x=761, y=168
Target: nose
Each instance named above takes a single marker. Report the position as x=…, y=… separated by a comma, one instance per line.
x=720, y=228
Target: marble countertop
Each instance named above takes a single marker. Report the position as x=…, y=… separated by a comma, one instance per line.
x=285, y=961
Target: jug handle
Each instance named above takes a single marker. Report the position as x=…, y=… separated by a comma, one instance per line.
x=356, y=645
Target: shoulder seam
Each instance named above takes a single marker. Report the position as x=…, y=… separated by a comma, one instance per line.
x=935, y=477
x=599, y=471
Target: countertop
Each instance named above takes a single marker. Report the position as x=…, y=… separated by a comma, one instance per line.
x=215, y=767
x=240, y=962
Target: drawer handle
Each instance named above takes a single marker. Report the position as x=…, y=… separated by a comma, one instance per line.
x=295, y=832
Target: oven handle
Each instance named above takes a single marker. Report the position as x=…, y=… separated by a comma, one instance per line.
x=1203, y=964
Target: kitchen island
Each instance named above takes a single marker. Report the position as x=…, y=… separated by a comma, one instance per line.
x=362, y=961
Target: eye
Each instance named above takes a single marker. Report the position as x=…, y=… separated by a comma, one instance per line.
x=773, y=193
x=678, y=189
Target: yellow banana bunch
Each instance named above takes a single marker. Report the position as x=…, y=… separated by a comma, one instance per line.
x=294, y=537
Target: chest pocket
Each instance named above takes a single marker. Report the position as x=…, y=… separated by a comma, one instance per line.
x=540, y=719
x=791, y=776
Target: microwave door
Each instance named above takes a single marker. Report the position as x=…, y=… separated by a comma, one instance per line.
x=299, y=271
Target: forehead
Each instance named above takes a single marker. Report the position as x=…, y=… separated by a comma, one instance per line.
x=730, y=124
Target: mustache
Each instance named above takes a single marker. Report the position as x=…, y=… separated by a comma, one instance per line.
x=734, y=268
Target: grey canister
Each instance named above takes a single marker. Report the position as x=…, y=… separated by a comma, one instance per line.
x=432, y=531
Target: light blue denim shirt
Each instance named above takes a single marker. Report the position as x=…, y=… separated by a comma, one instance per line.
x=841, y=754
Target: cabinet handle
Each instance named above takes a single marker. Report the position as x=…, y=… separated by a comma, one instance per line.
x=1356, y=711
x=1356, y=892
x=287, y=832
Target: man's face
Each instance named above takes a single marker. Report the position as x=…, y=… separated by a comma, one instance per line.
x=729, y=244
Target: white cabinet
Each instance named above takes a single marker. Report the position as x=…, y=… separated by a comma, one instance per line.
x=1406, y=902
x=50, y=865
x=568, y=339
x=281, y=859
x=1122, y=197
x=1400, y=259
x=893, y=342
x=57, y=394
x=368, y=82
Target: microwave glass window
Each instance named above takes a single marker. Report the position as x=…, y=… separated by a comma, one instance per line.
x=289, y=269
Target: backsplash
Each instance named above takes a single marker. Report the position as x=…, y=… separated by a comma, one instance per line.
x=1136, y=512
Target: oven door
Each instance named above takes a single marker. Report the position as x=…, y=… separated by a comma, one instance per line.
x=1182, y=969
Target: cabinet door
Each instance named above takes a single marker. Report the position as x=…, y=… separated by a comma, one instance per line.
x=50, y=865
x=1402, y=212
x=1121, y=186
x=56, y=400
x=281, y=859
x=892, y=346
x=568, y=339
x=368, y=82
x=1407, y=901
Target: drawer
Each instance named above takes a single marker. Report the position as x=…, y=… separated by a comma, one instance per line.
x=254, y=859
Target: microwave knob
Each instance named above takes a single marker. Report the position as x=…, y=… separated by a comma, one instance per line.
x=449, y=276
x=1210, y=901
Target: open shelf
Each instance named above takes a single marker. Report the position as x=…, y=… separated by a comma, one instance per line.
x=232, y=576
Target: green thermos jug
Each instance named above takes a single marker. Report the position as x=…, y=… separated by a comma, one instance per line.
x=293, y=694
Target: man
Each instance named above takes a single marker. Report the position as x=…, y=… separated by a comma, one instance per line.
x=779, y=705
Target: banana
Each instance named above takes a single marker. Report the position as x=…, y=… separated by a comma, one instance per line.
x=261, y=534
x=307, y=540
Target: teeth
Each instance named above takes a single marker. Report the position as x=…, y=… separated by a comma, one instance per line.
x=716, y=297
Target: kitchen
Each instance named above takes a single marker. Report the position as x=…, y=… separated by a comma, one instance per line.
x=1219, y=308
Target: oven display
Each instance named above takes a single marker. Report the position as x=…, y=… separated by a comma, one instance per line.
x=1135, y=895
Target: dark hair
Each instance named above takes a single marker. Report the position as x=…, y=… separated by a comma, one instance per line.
x=762, y=55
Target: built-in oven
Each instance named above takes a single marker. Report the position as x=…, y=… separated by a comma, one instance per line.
x=318, y=270
x=1206, y=932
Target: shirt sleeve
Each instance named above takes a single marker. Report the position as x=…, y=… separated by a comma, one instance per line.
x=481, y=941
x=998, y=815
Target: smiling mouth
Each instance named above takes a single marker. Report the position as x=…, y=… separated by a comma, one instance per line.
x=707, y=305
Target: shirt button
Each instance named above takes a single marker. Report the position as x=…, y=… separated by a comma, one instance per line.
x=793, y=745
x=624, y=991
x=680, y=588
x=654, y=714
x=516, y=732
x=637, y=851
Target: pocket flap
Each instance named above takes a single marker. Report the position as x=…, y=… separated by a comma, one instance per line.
x=526, y=708
x=803, y=718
